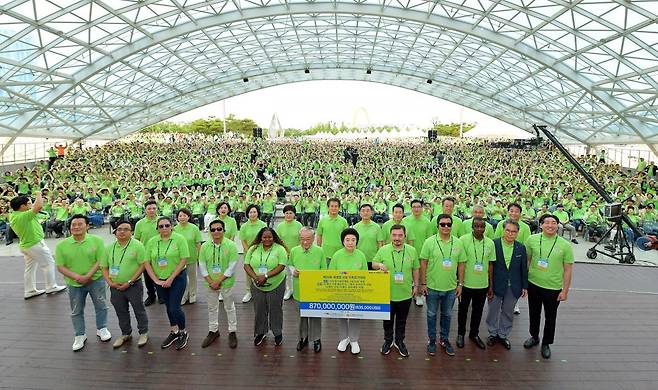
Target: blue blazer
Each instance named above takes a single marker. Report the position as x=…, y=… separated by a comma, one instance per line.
x=516, y=276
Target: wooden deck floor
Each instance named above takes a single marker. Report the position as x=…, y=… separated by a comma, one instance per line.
x=606, y=339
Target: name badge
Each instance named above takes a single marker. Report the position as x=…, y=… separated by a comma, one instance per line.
x=478, y=268
x=398, y=277
x=162, y=262
x=542, y=264
x=216, y=269
x=262, y=270
x=447, y=264
x=114, y=270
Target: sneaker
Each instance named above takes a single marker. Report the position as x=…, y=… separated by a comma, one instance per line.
x=182, y=340
x=278, y=340
x=55, y=289
x=258, y=340
x=420, y=300
x=448, y=348
x=220, y=297
x=317, y=346
x=124, y=338
x=531, y=342
x=33, y=294
x=516, y=309
x=342, y=345
x=232, y=340
x=142, y=340
x=246, y=298
x=210, y=338
x=104, y=334
x=354, y=346
x=386, y=347
x=173, y=336
x=79, y=342
x=287, y=295
x=402, y=349
x=302, y=344
x=431, y=348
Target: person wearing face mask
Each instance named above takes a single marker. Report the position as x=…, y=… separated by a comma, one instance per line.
x=349, y=259
x=550, y=266
x=400, y=260
x=288, y=230
x=248, y=232
x=264, y=264
x=508, y=281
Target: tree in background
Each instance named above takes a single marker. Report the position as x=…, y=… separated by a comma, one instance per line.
x=212, y=125
x=450, y=129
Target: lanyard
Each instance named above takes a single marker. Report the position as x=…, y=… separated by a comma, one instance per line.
x=476, y=252
x=393, y=258
x=443, y=254
x=122, y=254
x=214, y=259
x=165, y=252
x=269, y=252
x=553, y=246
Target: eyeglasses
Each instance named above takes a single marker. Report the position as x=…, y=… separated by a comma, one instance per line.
x=445, y=224
x=124, y=229
x=216, y=230
x=167, y=225
x=511, y=231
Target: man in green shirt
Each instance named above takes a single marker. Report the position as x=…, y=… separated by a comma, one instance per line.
x=217, y=260
x=145, y=229
x=441, y=279
x=122, y=267
x=564, y=224
x=24, y=223
x=305, y=257
x=420, y=228
x=330, y=228
x=78, y=258
x=370, y=234
x=550, y=265
x=397, y=214
x=403, y=272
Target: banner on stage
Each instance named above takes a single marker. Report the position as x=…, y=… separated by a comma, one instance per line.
x=345, y=294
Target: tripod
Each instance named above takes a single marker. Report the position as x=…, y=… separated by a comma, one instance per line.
x=620, y=249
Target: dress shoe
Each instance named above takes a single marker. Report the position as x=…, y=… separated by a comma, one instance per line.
x=460, y=341
x=491, y=340
x=506, y=343
x=317, y=346
x=149, y=301
x=232, y=340
x=531, y=342
x=210, y=338
x=478, y=341
x=545, y=351
x=302, y=344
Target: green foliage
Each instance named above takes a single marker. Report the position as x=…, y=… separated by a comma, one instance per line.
x=450, y=129
x=211, y=125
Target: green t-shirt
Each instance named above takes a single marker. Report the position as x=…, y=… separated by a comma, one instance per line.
x=230, y=227
x=386, y=231
x=218, y=259
x=192, y=237
x=467, y=228
x=164, y=255
x=305, y=260
x=262, y=261
x=548, y=256
x=456, y=226
x=442, y=258
x=289, y=233
x=330, y=229
x=123, y=262
x=80, y=257
x=400, y=265
x=145, y=229
x=249, y=230
x=27, y=228
x=524, y=231
x=479, y=253
x=419, y=228
x=344, y=261
x=370, y=234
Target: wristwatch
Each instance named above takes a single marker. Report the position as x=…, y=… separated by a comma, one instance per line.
x=130, y=282
x=265, y=275
x=460, y=284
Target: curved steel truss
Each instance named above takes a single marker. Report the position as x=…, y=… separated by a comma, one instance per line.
x=105, y=68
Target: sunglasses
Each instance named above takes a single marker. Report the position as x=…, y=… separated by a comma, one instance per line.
x=167, y=225
x=445, y=224
x=216, y=230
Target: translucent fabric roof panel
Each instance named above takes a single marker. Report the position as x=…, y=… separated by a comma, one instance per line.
x=103, y=69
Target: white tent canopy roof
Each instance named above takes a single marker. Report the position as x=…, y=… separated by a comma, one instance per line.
x=103, y=69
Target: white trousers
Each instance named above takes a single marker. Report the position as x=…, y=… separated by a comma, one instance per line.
x=35, y=256
x=191, y=287
x=212, y=296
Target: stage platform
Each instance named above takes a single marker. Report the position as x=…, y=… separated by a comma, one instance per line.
x=606, y=339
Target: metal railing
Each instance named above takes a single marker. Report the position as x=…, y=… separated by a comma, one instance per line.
x=626, y=157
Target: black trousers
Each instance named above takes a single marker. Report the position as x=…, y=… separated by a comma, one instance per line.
x=539, y=297
x=150, y=286
x=399, y=313
x=477, y=296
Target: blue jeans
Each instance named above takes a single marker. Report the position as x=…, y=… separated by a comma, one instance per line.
x=172, y=297
x=435, y=300
x=77, y=298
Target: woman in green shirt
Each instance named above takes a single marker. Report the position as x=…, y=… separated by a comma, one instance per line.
x=348, y=259
x=288, y=230
x=248, y=232
x=264, y=264
x=192, y=235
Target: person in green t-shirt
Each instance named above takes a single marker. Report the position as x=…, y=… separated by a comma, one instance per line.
x=217, y=260
x=78, y=258
x=479, y=251
x=400, y=260
x=565, y=224
x=248, y=232
x=330, y=229
x=288, y=230
x=442, y=277
x=167, y=254
x=230, y=225
x=264, y=264
x=397, y=214
x=370, y=234
x=23, y=221
x=420, y=228
x=306, y=257
x=192, y=236
x=349, y=259
x=145, y=229
x=550, y=259
x=122, y=267
x=467, y=228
